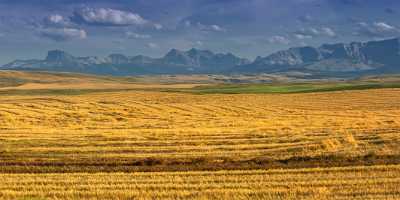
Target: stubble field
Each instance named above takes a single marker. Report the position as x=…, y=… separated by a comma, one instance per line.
x=136, y=144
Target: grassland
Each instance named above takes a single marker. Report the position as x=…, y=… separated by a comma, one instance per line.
x=281, y=88
x=145, y=143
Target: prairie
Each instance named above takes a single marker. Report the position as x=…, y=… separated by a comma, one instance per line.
x=165, y=141
x=287, y=88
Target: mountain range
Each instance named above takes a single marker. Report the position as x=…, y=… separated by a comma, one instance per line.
x=174, y=62
x=356, y=58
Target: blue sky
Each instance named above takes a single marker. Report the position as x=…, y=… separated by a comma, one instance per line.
x=29, y=28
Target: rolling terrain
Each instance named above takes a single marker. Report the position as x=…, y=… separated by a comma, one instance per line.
x=169, y=139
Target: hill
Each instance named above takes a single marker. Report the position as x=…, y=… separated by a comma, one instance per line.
x=57, y=83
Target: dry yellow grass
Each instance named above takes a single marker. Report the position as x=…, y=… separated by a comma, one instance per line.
x=87, y=146
x=153, y=131
x=378, y=182
x=16, y=80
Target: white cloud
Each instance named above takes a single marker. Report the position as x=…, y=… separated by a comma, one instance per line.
x=216, y=28
x=313, y=31
x=132, y=35
x=203, y=27
x=302, y=36
x=108, y=17
x=59, y=28
x=328, y=32
x=56, y=20
x=277, y=39
x=152, y=45
x=376, y=29
x=158, y=26
x=363, y=24
x=199, y=43
x=213, y=27
x=308, y=33
x=63, y=34
x=383, y=27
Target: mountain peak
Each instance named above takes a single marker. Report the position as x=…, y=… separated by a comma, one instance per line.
x=117, y=55
x=118, y=58
x=173, y=52
x=58, y=55
x=193, y=51
x=197, y=53
x=340, y=58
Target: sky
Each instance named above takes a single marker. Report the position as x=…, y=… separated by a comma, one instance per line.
x=247, y=28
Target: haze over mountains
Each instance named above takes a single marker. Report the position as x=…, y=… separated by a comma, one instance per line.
x=174, y=62
x=356, y=58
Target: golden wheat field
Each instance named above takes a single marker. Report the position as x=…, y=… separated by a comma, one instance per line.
x=166, y=145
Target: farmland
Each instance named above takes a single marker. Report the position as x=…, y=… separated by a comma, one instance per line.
x=129, y=139
x=378, y=182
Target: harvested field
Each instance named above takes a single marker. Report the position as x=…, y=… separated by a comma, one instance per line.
x=142, y=143
x=155, y=131
x=378, y=182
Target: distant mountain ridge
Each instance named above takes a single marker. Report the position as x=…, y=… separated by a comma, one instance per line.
x=175, y=61
x=357, y=57
x=374, y=57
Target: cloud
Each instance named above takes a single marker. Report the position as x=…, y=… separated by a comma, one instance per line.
x=203, y=27
x=277, y=39
x=302, y=36
x=216, y=28
x=383, y=27
x=59, y=28
x=213, y=27
x=326, y=31
x=131, y=35
x=152, y=45
x=199, y=43
x=107, y=17
x=56, y=20
x=158, y=26
x=308, y=33
x=376, y=29
x=63, y=34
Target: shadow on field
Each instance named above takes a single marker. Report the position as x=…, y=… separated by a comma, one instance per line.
x=196, y=164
